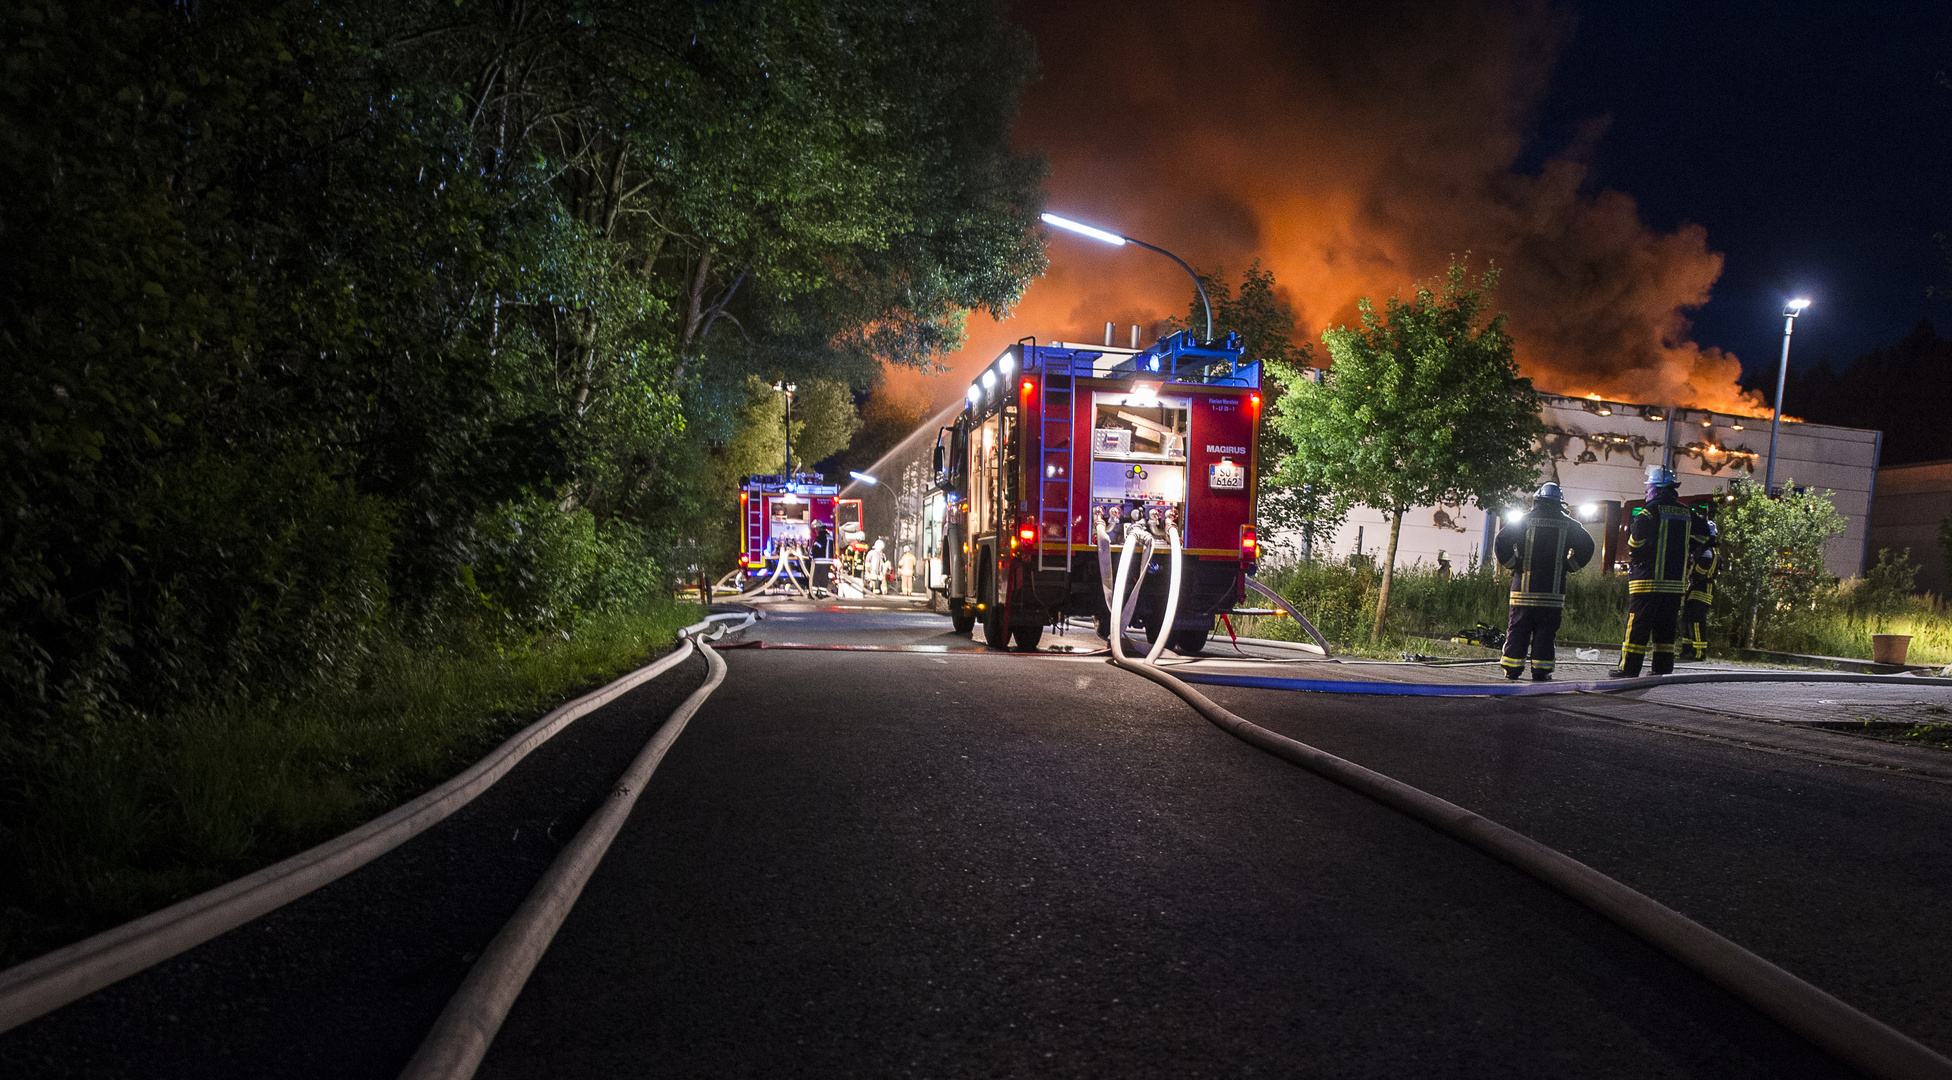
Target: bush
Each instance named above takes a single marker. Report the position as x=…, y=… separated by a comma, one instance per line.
x=1340, y=599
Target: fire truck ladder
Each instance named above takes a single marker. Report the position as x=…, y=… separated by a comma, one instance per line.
x=1058, y=383
x=755, y=527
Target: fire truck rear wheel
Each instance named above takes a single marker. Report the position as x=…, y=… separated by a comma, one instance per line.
x=996, y=625
x=1189, y=640
x=962, y=617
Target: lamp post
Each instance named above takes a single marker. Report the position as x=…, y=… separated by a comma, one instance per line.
x=1115, y=240
x=1794, y=308
x=787, y=388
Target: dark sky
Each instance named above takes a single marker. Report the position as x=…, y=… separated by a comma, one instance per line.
x=1812, y=140
x=1652, y=180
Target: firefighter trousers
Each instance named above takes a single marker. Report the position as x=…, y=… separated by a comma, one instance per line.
x=1531, y=632
x=1694, y=630
x=1652, y=619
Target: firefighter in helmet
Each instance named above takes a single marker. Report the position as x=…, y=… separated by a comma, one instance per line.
x=1701, y=586
x=1540, y=550
x=1660, y=538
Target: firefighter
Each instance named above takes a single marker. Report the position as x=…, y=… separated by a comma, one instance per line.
x=877, y=567
x=907, y=570
x=1701, y=586
x=1540, y=550
x=1659, y=540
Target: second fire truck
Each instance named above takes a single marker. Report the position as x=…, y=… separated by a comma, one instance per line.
x=1054, y=439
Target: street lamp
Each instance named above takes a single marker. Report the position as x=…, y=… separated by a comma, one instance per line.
x=863, y=478
x=787, y=388
x=1116, y=240
x=1794, y=308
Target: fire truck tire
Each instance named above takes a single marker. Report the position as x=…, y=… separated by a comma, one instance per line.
x=1027, y=637
x=962, y=617
x=996, y=624
x=1189, y=640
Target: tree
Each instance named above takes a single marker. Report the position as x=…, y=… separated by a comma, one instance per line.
x=1266, y=325
x=1423, y=405
x=1772, y=553
x=317, y=310
x=887, y=417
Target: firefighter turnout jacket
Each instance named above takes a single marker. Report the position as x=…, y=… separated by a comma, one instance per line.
x=1701, y=575
x=1660, y=540
x=1540, y=550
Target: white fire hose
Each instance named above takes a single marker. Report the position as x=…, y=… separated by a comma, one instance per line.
x=1856, y=1038
x=1134, y=538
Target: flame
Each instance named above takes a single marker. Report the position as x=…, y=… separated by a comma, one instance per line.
x=1353, y=154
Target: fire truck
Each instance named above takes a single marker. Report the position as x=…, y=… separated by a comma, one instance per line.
x=800, y=517
x=1055, y=438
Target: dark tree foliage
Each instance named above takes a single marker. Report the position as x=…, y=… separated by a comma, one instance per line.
x=322, y=317
x=1903, y=390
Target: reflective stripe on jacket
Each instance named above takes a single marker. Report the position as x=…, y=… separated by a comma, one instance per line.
x=1658, y=542
x=1540, y=551
x=1701, y=577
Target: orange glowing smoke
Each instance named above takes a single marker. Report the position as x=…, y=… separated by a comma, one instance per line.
x=1352, y=148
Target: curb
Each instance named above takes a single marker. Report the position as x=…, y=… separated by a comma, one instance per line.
x=1534, y=689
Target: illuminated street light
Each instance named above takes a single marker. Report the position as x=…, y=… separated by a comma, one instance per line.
x=1790, y=312
x=863, y=478
x=1116, y=240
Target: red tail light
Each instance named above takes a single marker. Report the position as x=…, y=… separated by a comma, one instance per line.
x=1254, y=399
x=1250, y=547
x=1029, y=389
x=1028, y=530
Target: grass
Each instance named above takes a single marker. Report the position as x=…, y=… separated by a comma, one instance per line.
x=1426, y=609
x=142, y=814
x=1832, y=628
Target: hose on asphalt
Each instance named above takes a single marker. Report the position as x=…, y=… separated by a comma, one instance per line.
x=460, y=1037
x=47, y=982
x=1851, y=1035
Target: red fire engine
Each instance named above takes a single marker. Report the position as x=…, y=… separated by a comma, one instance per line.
x=796, y=517
x=1054, y=438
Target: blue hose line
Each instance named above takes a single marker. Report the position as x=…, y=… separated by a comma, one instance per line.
x=1522, y=689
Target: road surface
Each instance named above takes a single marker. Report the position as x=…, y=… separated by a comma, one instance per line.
x=924, y=859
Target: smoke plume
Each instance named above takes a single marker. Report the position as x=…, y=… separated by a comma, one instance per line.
x=1353, y=148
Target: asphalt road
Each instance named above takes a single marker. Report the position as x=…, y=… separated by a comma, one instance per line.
x=939, y=861
x=963, y=864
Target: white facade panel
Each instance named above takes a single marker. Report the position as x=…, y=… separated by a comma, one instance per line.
x=1600, y=451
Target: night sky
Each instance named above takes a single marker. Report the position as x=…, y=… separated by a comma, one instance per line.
x=1814, y=142
x=1653, y=181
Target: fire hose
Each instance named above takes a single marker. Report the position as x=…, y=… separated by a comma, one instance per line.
x=48, y=982
x=1825, y=1020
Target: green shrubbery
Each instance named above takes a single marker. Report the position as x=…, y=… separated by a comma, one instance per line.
x=1833, y=618
x=1340, y=599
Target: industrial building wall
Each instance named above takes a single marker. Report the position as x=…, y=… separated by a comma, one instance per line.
x=1600, y=451
x=1911, y=501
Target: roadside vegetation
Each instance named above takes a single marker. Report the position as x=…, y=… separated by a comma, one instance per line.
x=1836, y=619
x=372, y=370
x=1426, y=607
x=143, y=814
